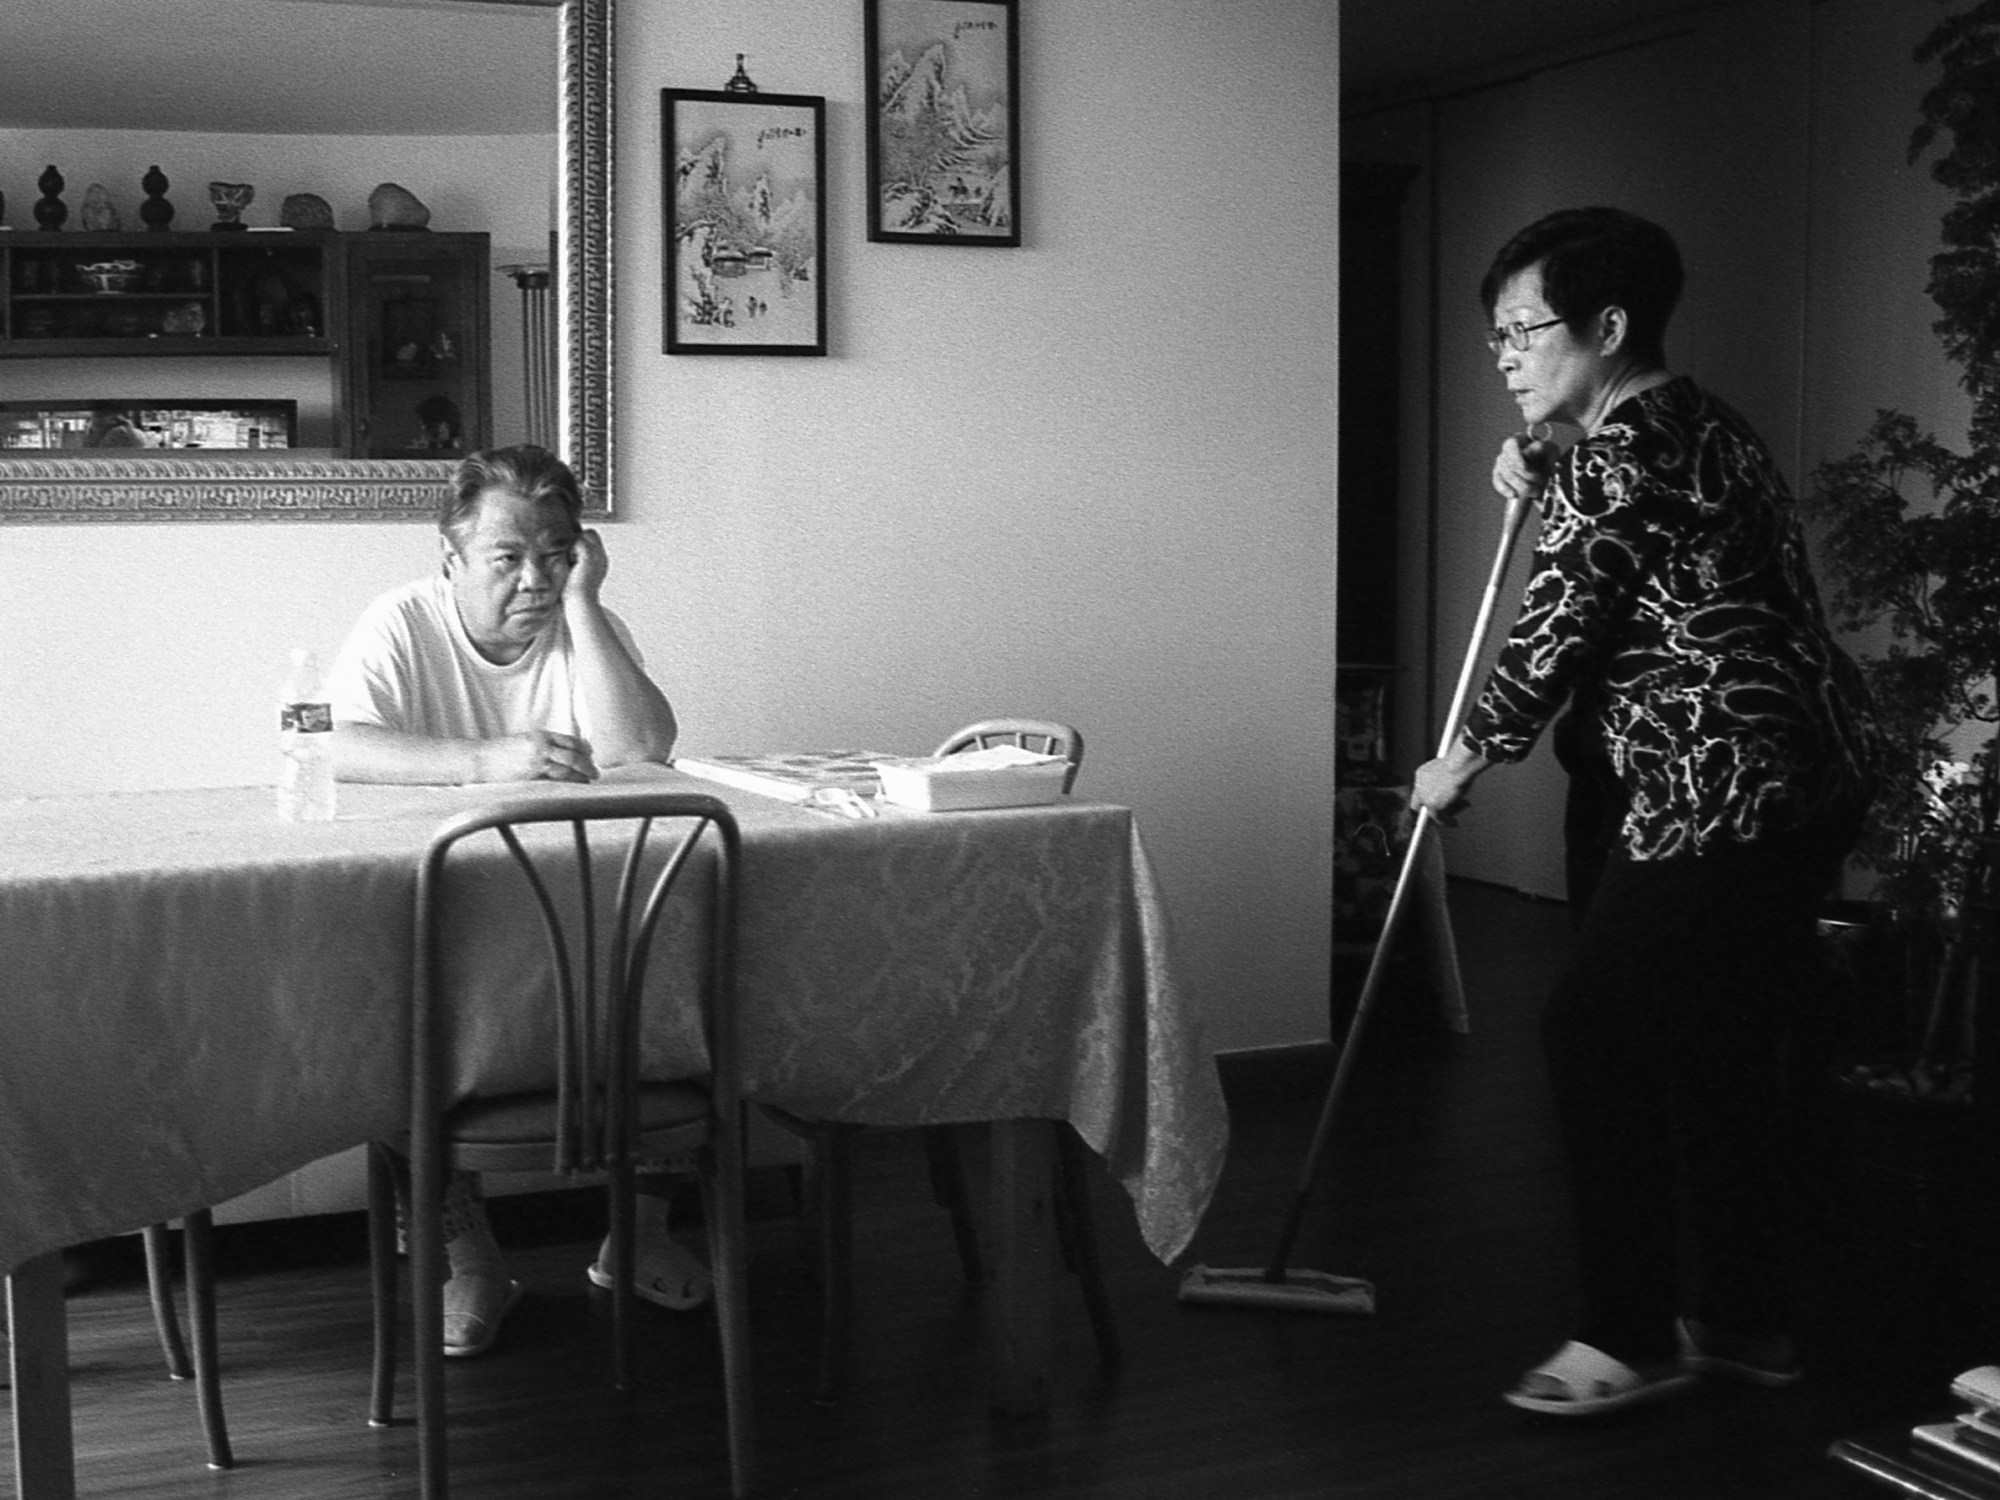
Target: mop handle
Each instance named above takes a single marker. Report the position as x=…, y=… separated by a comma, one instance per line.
x=1517, y=512
x=1510, y=530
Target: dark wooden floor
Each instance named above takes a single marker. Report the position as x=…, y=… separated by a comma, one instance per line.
x=1441, y=1188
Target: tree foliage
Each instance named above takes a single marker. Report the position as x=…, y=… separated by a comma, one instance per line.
x=1929, y=578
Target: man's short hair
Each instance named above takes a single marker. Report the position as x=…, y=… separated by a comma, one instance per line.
x=533, y=473
x=1594, y=258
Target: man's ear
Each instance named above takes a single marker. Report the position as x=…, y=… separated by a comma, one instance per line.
x=1613, y=326
x=447, y=553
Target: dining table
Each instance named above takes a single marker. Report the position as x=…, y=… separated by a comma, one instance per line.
x=200, y=998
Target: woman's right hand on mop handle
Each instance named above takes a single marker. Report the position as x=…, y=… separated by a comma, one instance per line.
x=1523, y=467
x=1443, y=786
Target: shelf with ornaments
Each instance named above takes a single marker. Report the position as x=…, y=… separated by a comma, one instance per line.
x=64, y=295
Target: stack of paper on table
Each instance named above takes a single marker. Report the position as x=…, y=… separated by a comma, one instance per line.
x=999, y=776
x=1974, y=1438
x=792, y=776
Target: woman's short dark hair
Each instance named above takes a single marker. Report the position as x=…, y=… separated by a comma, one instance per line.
x=1594, y=258
x=533, y=473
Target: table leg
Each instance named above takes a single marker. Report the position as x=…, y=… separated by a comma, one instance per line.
x=44, y=1461
x=1022, y=1340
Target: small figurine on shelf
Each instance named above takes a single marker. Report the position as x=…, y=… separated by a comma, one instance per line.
x=230, y=199
x=50, y=210
x=306, y=211
x=439, y=425
x=100, y=214
x=187, y=320
x=156, y=211
x=392, y=206
x=739, y=81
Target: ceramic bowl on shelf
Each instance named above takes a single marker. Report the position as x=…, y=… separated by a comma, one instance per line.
x=110, y=275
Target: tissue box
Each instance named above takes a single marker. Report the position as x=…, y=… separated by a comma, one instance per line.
x=1003, y=776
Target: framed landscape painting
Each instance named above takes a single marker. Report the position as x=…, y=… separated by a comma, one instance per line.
x=944, y=124
x=745, y=195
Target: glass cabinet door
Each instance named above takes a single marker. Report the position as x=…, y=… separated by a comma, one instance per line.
x=416, y=372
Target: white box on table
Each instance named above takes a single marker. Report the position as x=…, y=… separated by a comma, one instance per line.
x=1000, y=776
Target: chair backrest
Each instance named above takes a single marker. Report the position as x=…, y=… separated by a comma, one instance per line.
x=598, y=979
x=1044, y=736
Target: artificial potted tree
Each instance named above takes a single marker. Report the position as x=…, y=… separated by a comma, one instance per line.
x=1925, y=584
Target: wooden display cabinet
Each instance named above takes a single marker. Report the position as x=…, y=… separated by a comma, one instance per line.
x=402, y=315
x=71, y=295
x=416, y=377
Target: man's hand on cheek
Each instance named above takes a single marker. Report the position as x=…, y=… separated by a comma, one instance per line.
x=591, y=564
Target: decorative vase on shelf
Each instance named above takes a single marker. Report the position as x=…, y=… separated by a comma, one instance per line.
x=156, y=211
x=230, y=199
x=50, y=210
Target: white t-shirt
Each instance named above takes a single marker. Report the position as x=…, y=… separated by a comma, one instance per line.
x=409, y=666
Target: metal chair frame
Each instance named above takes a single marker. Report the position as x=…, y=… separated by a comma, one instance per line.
x=198, y=1238
x=593, y=1112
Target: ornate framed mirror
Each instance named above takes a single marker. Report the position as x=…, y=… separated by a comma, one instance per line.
x=147, y=487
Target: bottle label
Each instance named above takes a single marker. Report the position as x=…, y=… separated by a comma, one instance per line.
x=305, y=718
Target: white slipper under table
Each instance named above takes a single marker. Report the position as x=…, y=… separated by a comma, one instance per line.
x=1594, y=1383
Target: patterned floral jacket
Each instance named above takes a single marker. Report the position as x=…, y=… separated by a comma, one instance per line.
x=1672, y=606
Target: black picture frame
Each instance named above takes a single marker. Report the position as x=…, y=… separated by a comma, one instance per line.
x=743, y=183
x=958, y=183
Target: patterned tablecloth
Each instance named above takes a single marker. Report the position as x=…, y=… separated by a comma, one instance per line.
x=199, y=998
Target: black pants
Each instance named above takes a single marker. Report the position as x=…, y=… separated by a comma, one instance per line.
x=1665, y=1039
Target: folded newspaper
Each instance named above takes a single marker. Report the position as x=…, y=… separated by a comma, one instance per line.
x=792, y=776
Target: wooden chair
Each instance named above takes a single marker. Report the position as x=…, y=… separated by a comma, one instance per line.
x=601, y=1116
x=830, y=1171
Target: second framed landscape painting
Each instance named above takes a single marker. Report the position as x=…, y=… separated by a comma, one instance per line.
x=944, y=122
x=745, y=196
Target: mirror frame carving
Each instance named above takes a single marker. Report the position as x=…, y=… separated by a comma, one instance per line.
x=242, y=489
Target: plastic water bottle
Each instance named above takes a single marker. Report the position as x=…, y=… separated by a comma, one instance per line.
x=305, y=740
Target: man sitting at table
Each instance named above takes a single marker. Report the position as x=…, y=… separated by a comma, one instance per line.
x=506, y=666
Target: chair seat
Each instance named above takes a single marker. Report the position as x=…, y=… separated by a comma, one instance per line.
x=528, y=1121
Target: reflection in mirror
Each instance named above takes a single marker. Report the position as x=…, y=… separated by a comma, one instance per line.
x=460, y=102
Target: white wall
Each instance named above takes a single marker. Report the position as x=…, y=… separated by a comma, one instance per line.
x=1770, y=138
x=1089, y=479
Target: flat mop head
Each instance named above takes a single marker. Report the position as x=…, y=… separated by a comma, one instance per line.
x=1298, y=1291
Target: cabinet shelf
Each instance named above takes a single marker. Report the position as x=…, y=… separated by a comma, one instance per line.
x=400, y=319
x=162, y=345
x=27, y=298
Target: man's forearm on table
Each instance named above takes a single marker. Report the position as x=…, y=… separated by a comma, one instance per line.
x=368, y=752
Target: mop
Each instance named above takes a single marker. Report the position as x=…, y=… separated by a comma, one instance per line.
x=1279, y=1284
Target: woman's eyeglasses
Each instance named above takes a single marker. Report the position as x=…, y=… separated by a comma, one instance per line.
x=1515, y=335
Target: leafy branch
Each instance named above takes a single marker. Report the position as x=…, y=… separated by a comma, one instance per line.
x=1929, y=580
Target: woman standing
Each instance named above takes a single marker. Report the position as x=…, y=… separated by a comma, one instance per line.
x=1719, y=751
